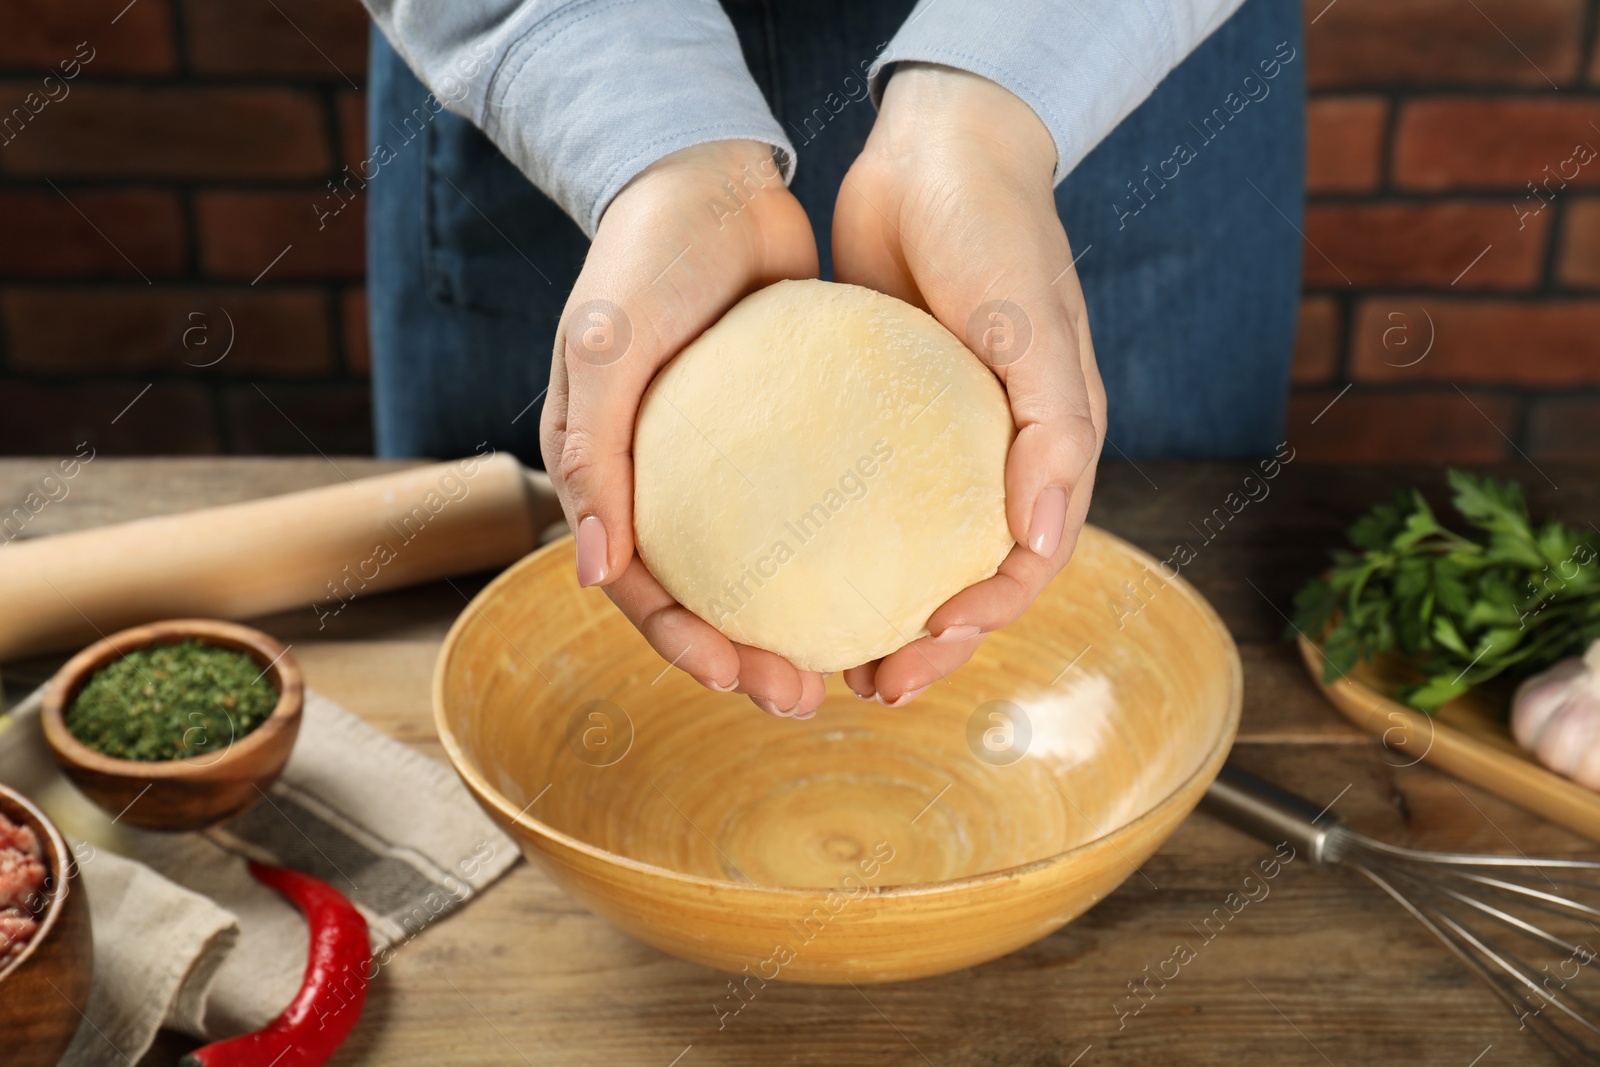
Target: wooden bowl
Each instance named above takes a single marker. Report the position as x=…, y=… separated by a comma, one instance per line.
x=865, y=844
x=186, y=794
x=43, y=990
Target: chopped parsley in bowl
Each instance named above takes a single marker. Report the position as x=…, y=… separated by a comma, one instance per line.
x=171, y=701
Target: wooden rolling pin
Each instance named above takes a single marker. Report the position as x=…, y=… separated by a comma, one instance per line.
x=313, y=550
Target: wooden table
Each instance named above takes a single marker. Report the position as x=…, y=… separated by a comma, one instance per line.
x=1325, y=970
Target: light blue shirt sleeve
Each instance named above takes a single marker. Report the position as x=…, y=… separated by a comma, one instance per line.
x=582, y=95
x=1081, y=65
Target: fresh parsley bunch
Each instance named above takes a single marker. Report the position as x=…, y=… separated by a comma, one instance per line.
x=1508, y=598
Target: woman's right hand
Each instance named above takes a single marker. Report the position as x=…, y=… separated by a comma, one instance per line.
x=684, y=241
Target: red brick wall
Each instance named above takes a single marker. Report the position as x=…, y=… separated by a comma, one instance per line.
x=189, y=150
x=1428, y=121
x=140, y=212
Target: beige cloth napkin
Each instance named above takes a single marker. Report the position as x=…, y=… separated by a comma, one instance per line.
x=185, y=938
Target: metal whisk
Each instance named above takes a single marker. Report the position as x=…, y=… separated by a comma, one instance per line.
x=1496, y=913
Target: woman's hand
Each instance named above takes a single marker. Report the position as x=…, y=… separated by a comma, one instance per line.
x=950, y=207
x=682, y=243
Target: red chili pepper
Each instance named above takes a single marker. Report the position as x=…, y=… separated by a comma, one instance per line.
x=320, y=1017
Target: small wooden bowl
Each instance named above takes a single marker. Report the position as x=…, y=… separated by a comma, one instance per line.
x=43, y=990
x=186, y=794
x=866, y=844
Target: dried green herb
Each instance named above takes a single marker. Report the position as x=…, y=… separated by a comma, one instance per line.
x=171, y=702
x=1508, y=598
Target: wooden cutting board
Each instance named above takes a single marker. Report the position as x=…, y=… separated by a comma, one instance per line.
x=1468, y=738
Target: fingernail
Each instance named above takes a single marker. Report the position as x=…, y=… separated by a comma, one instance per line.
x=903, y=699
x=592, y=569
x=769, y=707
x=951, y=634
x=862, y=696
x=1049, y=518
x=730, y=687
x=805, y=714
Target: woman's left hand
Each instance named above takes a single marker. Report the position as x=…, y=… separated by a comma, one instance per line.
x=951, y=207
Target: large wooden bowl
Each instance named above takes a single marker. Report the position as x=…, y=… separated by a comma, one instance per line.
x=44, y=991
x=865, y=844
x=180, y=794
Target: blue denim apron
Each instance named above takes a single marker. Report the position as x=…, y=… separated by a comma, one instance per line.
x=1186, y=219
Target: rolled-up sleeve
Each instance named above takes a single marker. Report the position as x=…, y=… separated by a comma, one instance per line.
x=582, y=95
x=1081, y=65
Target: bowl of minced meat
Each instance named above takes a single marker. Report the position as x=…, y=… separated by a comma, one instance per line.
x=46, y=945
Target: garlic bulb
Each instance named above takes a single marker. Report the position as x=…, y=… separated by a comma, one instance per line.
x=1556, y=716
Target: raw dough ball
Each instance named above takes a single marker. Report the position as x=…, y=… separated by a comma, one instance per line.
x=819, y=471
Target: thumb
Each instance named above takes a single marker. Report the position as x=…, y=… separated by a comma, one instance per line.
x=661, y=269
x=1013, y=297
x=603, y=372
x=1053, y=389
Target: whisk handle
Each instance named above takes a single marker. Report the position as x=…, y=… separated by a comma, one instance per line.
x=1262, y=810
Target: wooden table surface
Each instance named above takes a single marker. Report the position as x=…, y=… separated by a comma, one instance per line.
x=1324, y=970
